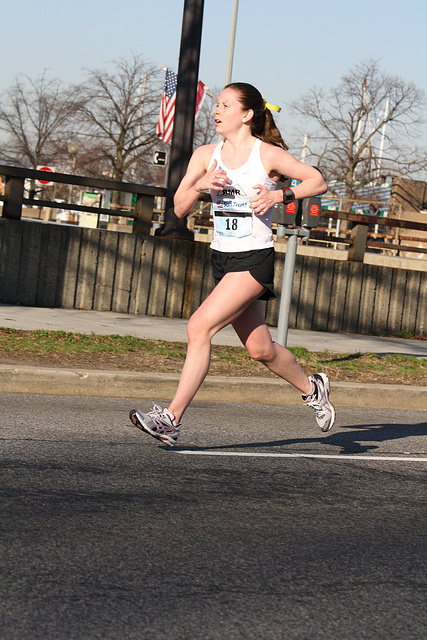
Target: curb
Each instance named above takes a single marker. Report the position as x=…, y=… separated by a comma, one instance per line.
x=127, y=384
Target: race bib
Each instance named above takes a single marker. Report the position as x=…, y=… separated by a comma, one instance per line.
x=232, y=217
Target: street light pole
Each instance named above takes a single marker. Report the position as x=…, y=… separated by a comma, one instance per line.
x=185, y=108
x=231, y=43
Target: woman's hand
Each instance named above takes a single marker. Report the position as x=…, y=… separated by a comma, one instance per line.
x=198, y=177
x=264, y=199
x=213, y=179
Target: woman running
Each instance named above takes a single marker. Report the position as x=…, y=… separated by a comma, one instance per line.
x=241, y=173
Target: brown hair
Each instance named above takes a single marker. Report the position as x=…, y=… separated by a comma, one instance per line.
x=262, y=124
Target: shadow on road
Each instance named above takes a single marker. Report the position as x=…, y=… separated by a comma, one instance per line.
x=353, y=440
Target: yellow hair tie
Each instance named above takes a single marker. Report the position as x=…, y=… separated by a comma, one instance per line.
x=271, y=107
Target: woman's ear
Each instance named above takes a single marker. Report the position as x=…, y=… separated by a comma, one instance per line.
x=249, y=114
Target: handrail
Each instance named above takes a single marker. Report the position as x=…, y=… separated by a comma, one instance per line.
x=13, y=197
x=81, y=181
x=368, y=219
x=358, y=241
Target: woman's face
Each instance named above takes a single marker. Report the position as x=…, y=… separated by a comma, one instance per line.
x=229, y=114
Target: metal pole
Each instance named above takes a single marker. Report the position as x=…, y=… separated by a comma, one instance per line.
x=286, y=294
x=287, y=282
x=185, y=107
x=231, y=43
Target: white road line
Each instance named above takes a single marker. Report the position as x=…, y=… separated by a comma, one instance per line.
x=245, y=454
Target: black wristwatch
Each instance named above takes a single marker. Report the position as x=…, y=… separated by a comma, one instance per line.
x=288, y=196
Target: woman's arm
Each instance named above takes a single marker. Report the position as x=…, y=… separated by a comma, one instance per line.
x=311, y=180
x=197, y=179
x=280, y=162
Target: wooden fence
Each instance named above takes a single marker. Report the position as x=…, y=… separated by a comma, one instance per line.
x=50, y=265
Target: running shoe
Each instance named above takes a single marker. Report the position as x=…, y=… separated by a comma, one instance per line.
x=159, y=423
x=319, y=401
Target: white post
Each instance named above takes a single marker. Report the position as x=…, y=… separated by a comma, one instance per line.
x=380, y=157
x=141, y=89
x=362, y=113
x=304, y=148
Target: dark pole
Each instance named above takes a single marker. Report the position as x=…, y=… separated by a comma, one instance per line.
x=185, y=107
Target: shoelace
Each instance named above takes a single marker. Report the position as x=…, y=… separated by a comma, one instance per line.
x=158, y=414
x=315, y=404
x=155, y=409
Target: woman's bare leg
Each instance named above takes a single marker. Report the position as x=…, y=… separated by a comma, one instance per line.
x=252, y=330
x=233, y=294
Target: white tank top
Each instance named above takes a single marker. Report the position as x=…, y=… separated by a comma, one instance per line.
x=236, y=226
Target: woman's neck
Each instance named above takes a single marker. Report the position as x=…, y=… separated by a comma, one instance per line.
x=235, y=152
x=239, y=141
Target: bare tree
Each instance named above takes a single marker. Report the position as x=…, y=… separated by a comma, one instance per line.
x=365, y=128
x=119, y=116
x=34, y=115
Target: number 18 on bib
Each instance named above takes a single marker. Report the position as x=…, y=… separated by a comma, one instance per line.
x=232, y=217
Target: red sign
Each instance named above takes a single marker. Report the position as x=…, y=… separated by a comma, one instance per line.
x=291, y=208
x=314, y=210
x=44, y=182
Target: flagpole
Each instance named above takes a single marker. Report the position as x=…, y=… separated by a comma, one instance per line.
x=231, y=43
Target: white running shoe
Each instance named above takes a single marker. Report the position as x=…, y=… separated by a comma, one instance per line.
x=159, y=423
x=319, y=401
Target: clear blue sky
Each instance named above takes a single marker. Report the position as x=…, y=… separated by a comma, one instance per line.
x=283, y=48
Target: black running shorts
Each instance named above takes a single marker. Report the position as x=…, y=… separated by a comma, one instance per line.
x=259, y=263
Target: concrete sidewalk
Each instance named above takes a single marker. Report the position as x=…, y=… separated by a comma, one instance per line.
x=174, y=330
x=61, y=381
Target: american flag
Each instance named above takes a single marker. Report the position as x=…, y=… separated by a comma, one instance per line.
x=167, y=107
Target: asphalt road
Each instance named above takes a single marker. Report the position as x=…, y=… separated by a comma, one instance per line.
x=108, y=534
